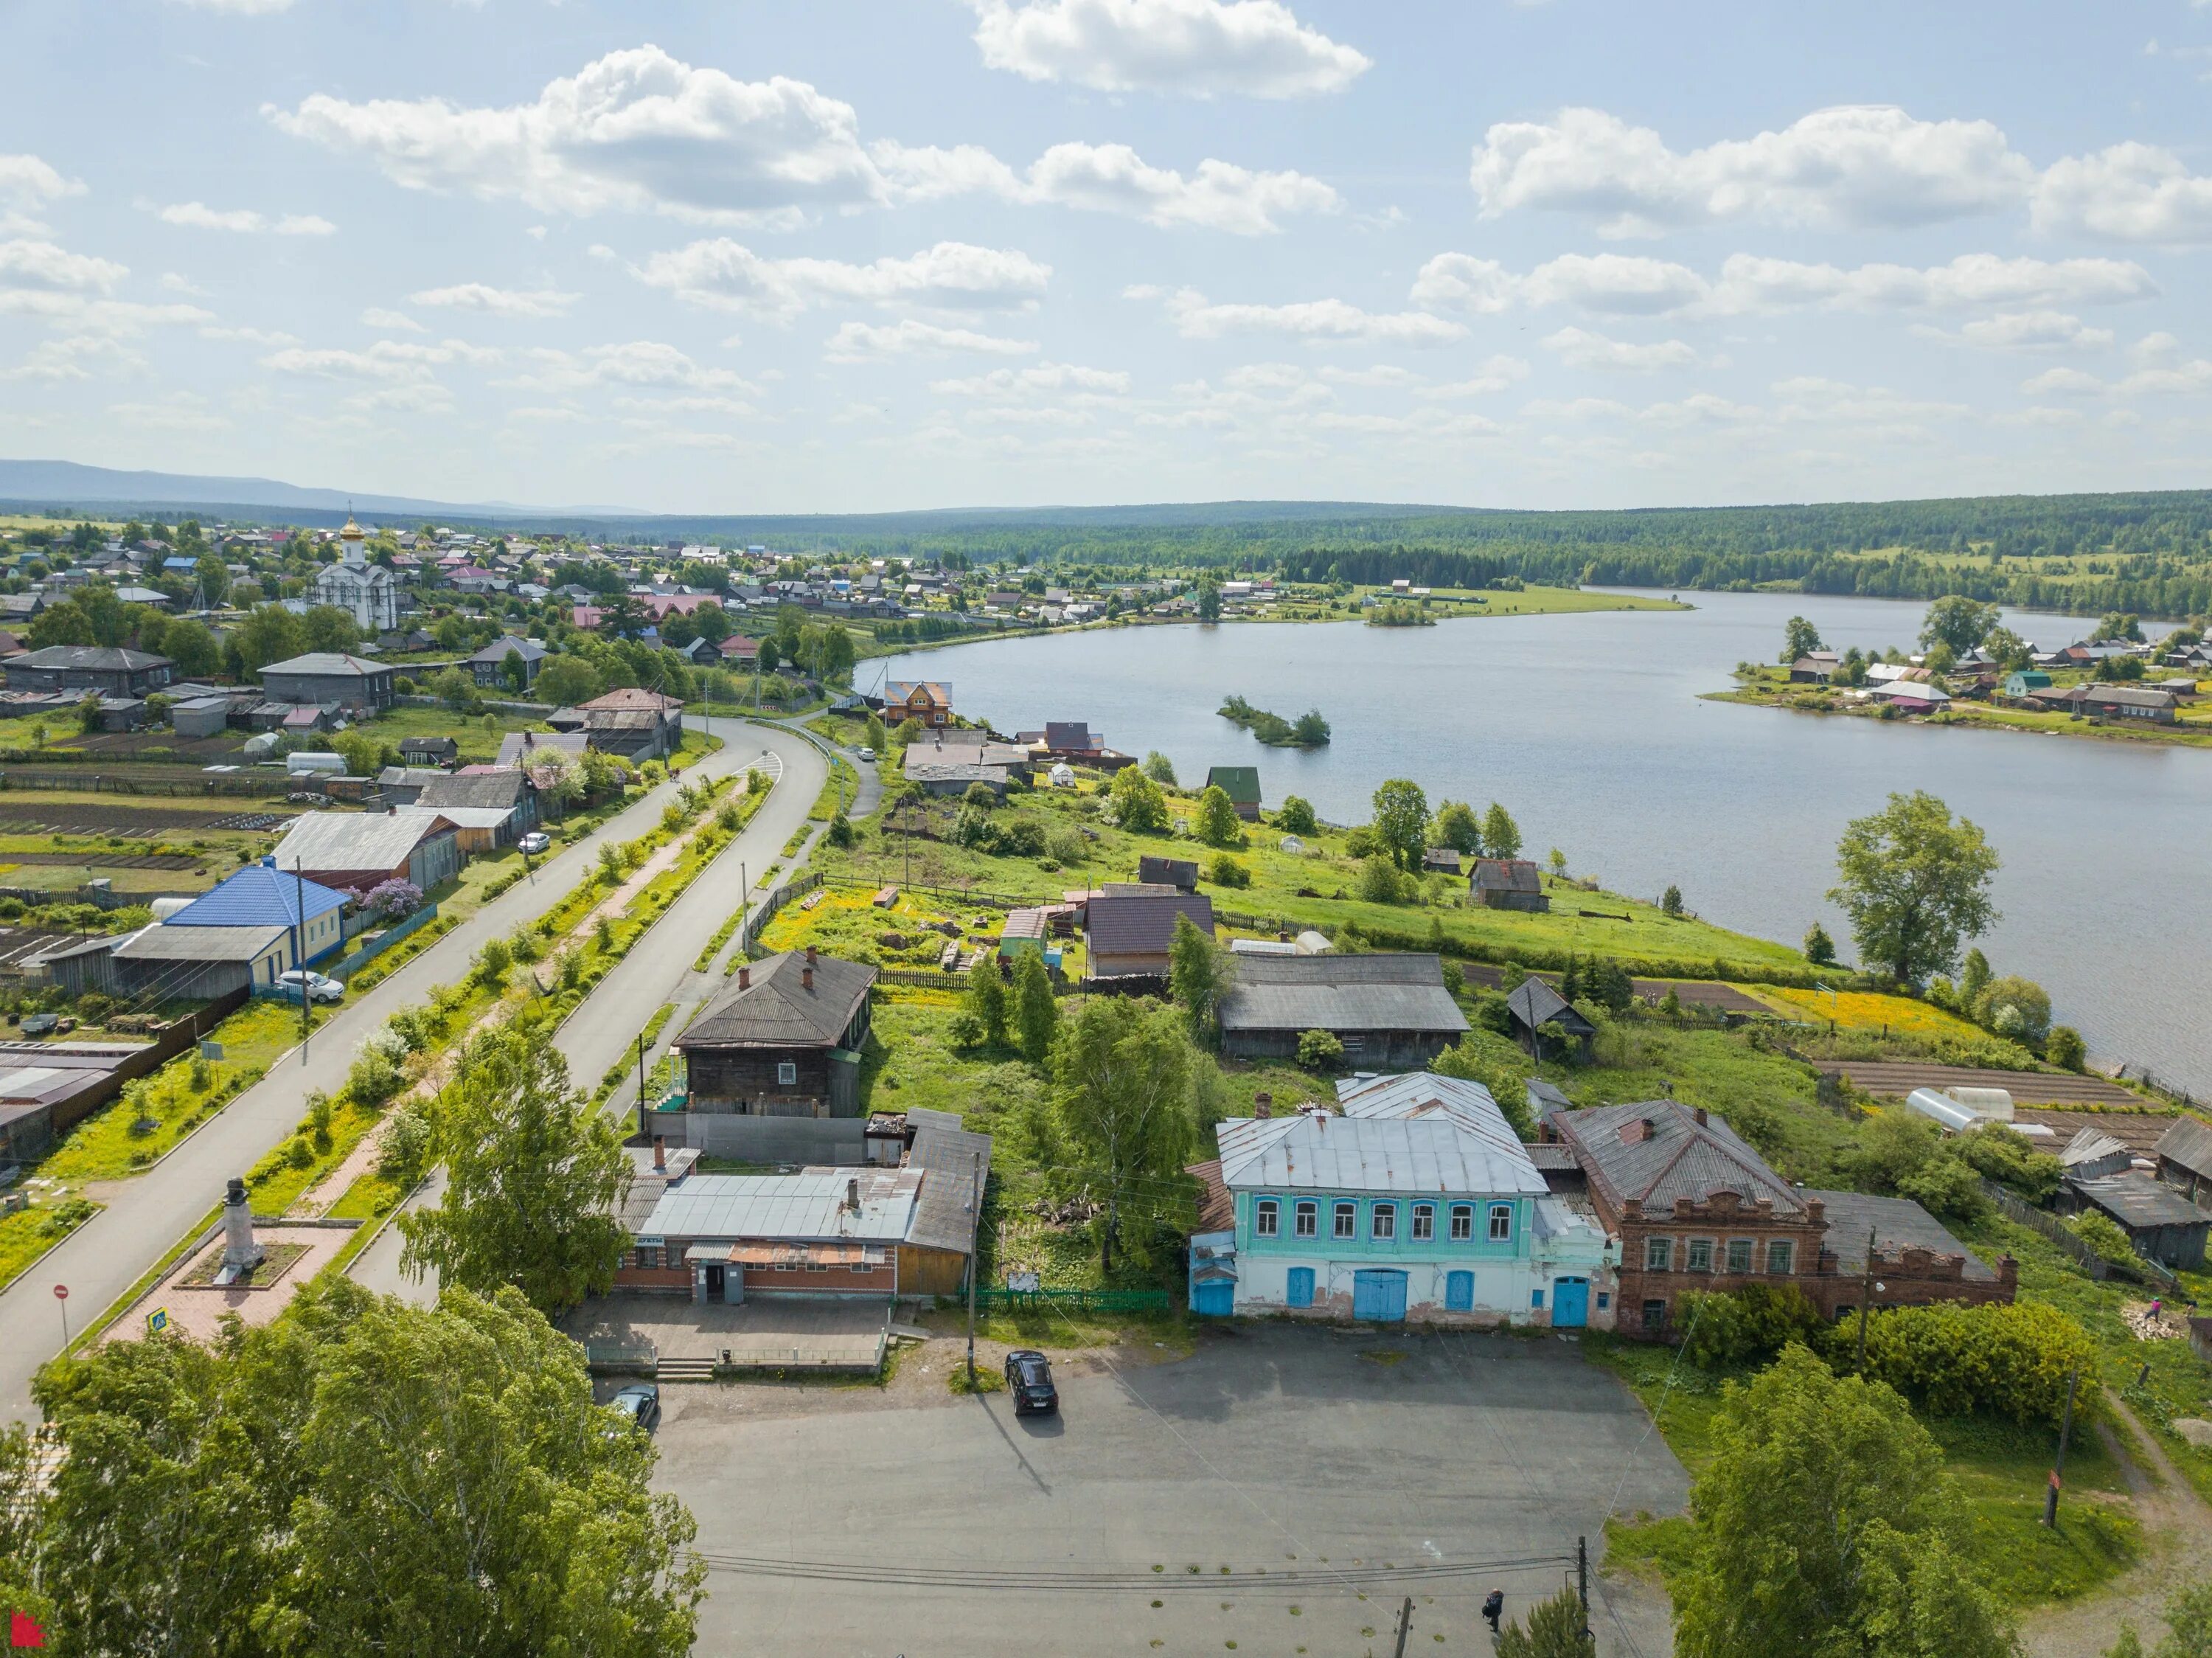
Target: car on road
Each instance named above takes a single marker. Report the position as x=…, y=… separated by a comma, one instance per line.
x=316, y=986
x=535, y=841
x=641, y=1403
x=867, y=753
x=1028, y=1379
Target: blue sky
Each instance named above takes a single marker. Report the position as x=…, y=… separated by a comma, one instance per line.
x=850, y=257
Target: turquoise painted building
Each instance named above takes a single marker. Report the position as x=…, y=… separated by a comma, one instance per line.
x=1415, y=1200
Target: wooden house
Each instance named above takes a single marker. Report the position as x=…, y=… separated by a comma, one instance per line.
x=1241, y=784
x=783, y=1040
x=1508, y=884
x=928, y=703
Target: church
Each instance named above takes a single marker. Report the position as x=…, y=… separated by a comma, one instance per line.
x=368, y=593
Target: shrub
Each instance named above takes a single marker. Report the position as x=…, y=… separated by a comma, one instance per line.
x=1066, y=845
x=1737, y=1326
x=2104, y=1235
x=1492, y=1014
x=1945, y=1186
x=2016, y=1007
x=404, y=1154
x=393, y=901
x=1379, y=880
x=202, y=1073
x=1359, y=843
x=493, y=959
x=2007, y=1158
x=2006, y=1360
x=1819, y=948
x=1223, y=870
x=1023, y=838
x=965, y=1030
x=1318, y=1051
x=1297, y=817
x=374, y=1079
x=2063, y=1048
x=840, y=830
x=299, y=1154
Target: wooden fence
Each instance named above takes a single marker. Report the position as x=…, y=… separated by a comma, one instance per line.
x=2055, y=1230
x=262, y=785
x=767, y=909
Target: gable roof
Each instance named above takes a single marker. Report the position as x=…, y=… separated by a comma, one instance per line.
x=357, y=840
x=492, y=786
x=810, y=1205
x=1316, y=1151
x=1240, y=782
x=1068, y=734
x=628, y=697
x=2090, y=1145
x=1171, y=872
x=518, y=746
x=498, y=650
x=2138, y=1200
x=167, y=941
x=1424, y=1093
x=1897, y=1224
x=328, y=664
x=777, y=1010
x=1506, y=875
x=934, y=693
x=103, y=658
x=2187, y=1144
x=1378, y=992
x=1141, y=923
x=1535, y=1003
x=255, y=896
x=945, y=1215
x=1680, y=1157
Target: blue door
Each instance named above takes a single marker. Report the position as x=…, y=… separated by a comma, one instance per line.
x=1215, y=1298
x=1570, y=1304
x=1459, y=1292
x=1300, y=1286
x=1378, y=1296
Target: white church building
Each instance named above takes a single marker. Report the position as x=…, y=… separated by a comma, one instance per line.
x=368, y=593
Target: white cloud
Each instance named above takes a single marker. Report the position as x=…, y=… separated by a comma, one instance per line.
x=2029, y=331
x=1579, y=348
x=1750, y=284
x=1001, y=384
x=632, y=363
x=27, y=183
x=1325, y=322
x=1853, y=166
x=245, y=336
x=2064, y=383
x=1109, y=179
x=1255, y=48
x=950, y=276
x=244, y=221
x=377, y=317
x=175, y=282
x=635, y=129
x=2131, y=193
x=304, y=224
x=42, y=265
x=861, y=342
x=74, y=356
x=389, y=360
x=1381, y=375
x=496, y=302
x=180, y=411
x=1497, y=374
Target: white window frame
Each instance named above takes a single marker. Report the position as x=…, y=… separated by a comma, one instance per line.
x=787, y=1073
x=1501, y=1223
x=1305, y=1219
x=1382, y=1223
x=1345, y=1221
x=1690, y=1261
x=1658, y=1255
x=1462, y=1223
x=1424, y=1222
x=1267, y=1218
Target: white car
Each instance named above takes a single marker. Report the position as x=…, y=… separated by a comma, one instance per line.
x=318, y=988
x=867, y=753
x=536, y=842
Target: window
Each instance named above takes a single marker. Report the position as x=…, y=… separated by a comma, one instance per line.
x=787, y=1267
x=1267, y=1220
x=817, y=1266
x=1424, y=1222
x=1347, y=1215
x=1781, y=1255
x=1383, y=1226
x=1654, y=1318
x=787, y=1074
x=1604, y=1300
x=1501, y=1223
x=1463, y=1223
x=1306, y=1220
x=1658, y=1255
x=1701, y=1256
x=1738, y=1255
x=1535, y=1299
x=863, y=1266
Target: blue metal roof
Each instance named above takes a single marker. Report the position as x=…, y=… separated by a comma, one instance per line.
x=257, y=896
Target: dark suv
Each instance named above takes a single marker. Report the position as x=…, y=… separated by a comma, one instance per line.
x=1028, y=1379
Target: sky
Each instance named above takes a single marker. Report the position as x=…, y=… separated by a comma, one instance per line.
x=856, y=256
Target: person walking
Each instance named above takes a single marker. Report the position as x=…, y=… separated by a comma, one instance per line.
x=1493, y=1608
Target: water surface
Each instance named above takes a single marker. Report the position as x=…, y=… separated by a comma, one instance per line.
x=1590, y=729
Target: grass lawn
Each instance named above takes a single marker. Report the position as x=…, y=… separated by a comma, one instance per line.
x=2001, y=1469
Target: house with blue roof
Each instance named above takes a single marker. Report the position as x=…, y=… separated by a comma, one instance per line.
x=261, y=895
x=1413, y=1200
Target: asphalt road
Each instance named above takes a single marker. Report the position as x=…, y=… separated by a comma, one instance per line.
x=658, y=968
x=1327, y=1454
x=107, y=1254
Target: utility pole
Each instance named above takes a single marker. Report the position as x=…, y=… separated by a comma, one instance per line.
x=299, y=950
x=975, y=1230
x=641, y=1080
x=2065, y=1433
x=745, y=909
x=1405, y=1625
x=1866, y=1294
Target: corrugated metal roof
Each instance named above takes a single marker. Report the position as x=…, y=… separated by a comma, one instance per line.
x=1384, y=992
x=356, y=840
x=1315, y=1152
x=2090, y=1145
x=170, y=942
x=2188, y=1143
x=788, y=1207
x=1897, y=1224
x=1142, y=923
x=948, y=1157
x=257, y=896
x=2139, y=1200
x=326, y=663
x=500, y=786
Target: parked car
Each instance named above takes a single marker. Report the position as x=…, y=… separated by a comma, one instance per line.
x=641, y=1403
x=868, y=754
x=1028, y=1379
x=316, y=986
x=535, y=841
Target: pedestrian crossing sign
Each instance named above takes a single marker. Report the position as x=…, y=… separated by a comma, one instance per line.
x=157, y=1320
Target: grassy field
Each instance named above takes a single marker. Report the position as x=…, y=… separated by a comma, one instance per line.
x=1867, y=1010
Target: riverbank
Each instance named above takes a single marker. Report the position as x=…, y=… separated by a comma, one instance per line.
x=1760, y=687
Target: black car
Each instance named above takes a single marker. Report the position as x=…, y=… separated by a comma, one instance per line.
x=641, y=1403
x=1028, y=1379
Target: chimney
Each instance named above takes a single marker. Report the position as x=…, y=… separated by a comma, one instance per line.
x=1635, y=1131
x=744, y=979
x=852, y=1195
x=809, y=955
x=1263, y=1106
x=660, y=1155
x=806, y=978
x=1699, y=1112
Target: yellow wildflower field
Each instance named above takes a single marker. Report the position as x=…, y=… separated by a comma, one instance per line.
x=1867, y=1010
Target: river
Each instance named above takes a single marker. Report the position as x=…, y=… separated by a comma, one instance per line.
x=1590, y=729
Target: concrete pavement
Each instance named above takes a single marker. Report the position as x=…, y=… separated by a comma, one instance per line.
x=103, y=1258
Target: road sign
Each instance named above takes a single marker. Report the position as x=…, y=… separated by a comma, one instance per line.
x=61, y=1292
x=157, y=1320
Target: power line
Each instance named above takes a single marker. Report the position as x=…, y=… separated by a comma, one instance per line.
x=1052, y=1580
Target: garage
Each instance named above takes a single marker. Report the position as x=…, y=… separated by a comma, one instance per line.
x=1378, y=1296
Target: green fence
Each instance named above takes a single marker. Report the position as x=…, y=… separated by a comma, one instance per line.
x=1073, y=1301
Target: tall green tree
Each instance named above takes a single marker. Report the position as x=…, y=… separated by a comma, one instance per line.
x=1037, y=1016
x=187, y=643
x=536, y=1176
x=1199, y=976
x=986, y=998
x=1139, y=805
x=567, y=680
x=1123, y=1074
x=1799, y=638
x=1209, y=600
x=1959, y=622
x=1915, y=883
x=269, y=634
x=1457, y=827
x=1216, y=823
x=1826, y=1524
x=1159, y=768
x=326, y=627
x=1402, y=821
x=1501, y=836
x=1555, y=1629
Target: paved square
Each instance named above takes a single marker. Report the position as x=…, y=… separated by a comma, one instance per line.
x=1343, y=1464
x=765, y=1331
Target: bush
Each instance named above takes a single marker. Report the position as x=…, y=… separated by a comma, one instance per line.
x=493, y=959
x=2009, y=1159
x=2013, y=1007
x=1359, y=843
x=404, y=1155
x=374, y=1079
x=1736, y=1326
x=1320, y=1052
x=299, y=1154
x=2104, y=1235
x=2063, y=1048
x=1379, y=881
x=965, y=1030
x=2006, y=1360
x=1492, y=1014
x=1066, y=845
x=1946, y=1187
x=393, y=901
x=841, y=831
x=1297, y=817
x=1223, y=870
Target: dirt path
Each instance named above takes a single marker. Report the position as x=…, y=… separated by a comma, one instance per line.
x=2178, y=1547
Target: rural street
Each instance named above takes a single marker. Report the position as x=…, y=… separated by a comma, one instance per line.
x=103, y=1258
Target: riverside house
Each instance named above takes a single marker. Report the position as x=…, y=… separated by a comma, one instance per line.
x=1418, y=1203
